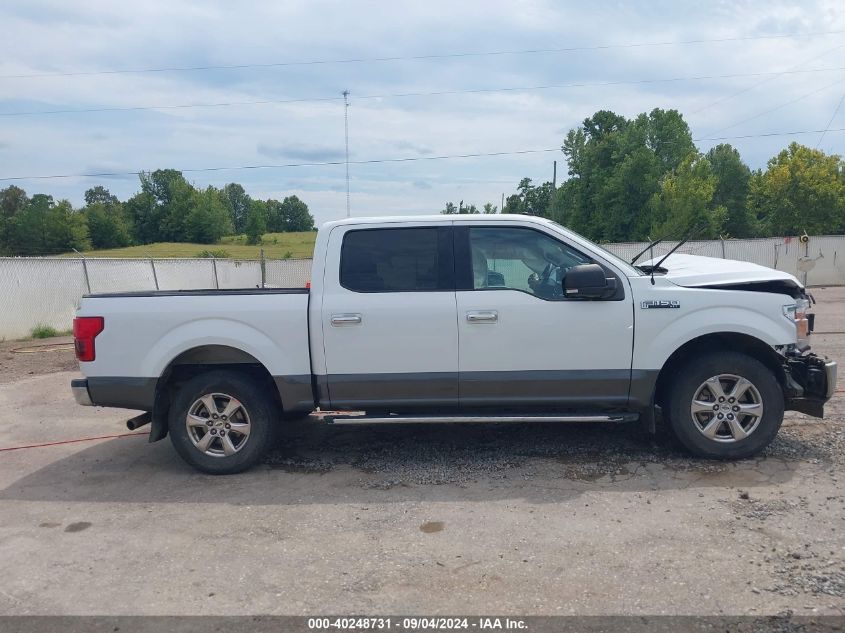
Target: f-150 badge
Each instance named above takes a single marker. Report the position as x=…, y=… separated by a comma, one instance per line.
x=657, y=303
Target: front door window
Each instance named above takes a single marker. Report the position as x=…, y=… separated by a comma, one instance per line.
x=520, y=259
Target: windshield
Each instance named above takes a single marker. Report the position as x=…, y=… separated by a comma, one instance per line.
x=628, y=269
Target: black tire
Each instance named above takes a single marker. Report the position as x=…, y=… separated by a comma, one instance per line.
x=723, y=442
x=258, y=414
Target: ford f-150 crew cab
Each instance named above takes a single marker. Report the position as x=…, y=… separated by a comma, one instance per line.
x=460, y=319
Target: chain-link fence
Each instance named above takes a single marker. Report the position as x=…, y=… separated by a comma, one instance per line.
x=46, y=291
x=814, y=260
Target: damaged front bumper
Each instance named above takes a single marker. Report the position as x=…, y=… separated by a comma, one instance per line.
x=810, y=382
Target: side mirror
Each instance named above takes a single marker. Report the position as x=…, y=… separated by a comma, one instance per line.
x=586, y=281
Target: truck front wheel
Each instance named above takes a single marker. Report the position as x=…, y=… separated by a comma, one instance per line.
x=220, y=422
x=725, y=405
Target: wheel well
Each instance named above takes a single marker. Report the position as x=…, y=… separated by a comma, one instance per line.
x=199, y=360
x=724, y=341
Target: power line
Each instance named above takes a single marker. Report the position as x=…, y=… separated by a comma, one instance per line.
x=360, y=60
x=409, y=159
x=168, y=107
x=832, y=116
x=436, y=93
x=280, y=166
x=764, y=135
x=778, y=107
x=760, y=83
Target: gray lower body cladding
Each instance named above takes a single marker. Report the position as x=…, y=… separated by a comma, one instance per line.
x=140, y=393
x=554, y=389
x=296, y=392
x=389, y=391
x=123, y=392
x=606, y=389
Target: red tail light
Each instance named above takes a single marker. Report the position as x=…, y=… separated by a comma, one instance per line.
x=85, y=330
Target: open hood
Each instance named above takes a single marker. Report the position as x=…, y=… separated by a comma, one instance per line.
x=695, y=271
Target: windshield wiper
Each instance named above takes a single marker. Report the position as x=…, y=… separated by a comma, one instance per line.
x=642, y=252
x=652, y=267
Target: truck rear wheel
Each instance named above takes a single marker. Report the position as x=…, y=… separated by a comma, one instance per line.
x=725, y=405
x=221, y=422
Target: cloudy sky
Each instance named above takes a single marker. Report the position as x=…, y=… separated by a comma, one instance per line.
x=53, y=54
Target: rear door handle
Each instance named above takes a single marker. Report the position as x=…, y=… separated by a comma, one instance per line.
x=482, y=316
x=346, y=319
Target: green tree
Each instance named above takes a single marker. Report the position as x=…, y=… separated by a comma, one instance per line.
x=172, y=198
x=530, y=199
x=183, y=200
x=29, y=227
x=45, y=227
x=470, y=209
x=208, y=218
x=296, y=215
x=13, y=200
x=563, y=203
x=238, y=205
x=256, y=223
x=108, y=226
x=461, y=209
x=65, y=229
x=101, y=195
x=615, y=168
x=144, y=217
x=275, y=215
x=732, y=187
x=668, y=136
x=167, y=208
x=685, y=201
x=801, y=190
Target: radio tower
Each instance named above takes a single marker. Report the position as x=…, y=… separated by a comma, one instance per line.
x=346, y=138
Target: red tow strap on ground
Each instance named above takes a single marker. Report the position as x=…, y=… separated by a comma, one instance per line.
x=110, y=437
x=82, y=439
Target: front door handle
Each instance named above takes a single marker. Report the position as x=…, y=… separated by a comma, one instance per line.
x=346, y=319
x=482, y=316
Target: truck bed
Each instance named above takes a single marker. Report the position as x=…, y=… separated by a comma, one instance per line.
x=146, y=333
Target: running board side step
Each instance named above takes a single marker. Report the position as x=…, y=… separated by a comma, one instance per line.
x=480, y=419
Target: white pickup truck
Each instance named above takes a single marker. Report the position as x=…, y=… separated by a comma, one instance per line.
x=468, y=319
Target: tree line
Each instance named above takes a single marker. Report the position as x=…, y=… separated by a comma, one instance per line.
x=167, y=209
x=643, y=178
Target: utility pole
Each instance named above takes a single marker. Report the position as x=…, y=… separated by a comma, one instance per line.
x=554, y=176
x=346, y=138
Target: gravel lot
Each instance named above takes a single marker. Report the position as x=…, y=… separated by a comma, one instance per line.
x=515, y=519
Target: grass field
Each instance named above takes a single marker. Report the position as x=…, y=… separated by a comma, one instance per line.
x=275, y=245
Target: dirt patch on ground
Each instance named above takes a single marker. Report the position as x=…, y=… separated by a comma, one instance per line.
x=19, y=359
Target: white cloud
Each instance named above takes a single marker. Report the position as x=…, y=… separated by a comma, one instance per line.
x=52, y=36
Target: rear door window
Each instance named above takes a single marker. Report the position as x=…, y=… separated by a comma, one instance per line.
x=397, y=260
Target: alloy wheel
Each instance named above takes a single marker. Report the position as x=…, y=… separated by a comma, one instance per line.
x=218, y=424
x=727, y=408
